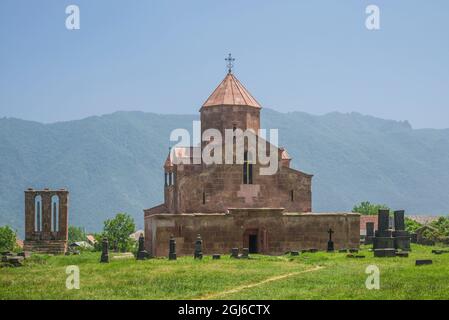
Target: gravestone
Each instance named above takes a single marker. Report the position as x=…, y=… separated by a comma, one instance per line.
x=15, y=261
x=423, y=262
x=105, y=251
x=383, y=241
x=356, y=256
x=343, y=250
x=353, y=250
x=402, y=254
x=330, y=243
x=294, y=253
x=245, y=253
x=401, y=237
x=369, y=233
x=25, y=254
x=142, y=254
x=216, y=256
x=198, y=253
x=172, y=248
x=414, y=238
x=235, y=253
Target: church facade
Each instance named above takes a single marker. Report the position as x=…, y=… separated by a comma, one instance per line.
x=233, y=205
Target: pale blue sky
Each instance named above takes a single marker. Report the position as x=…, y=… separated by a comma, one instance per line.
x=167, y=56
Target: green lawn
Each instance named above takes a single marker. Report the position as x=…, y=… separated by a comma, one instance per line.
x=44, y=277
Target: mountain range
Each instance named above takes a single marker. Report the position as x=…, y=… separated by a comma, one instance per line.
x=113, y=163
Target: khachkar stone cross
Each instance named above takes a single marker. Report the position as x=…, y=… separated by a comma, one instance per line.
x=230, y=64
x=142, y=254
x=172, y=249
x=330, y=243
x=105, y=251
x=198, y=254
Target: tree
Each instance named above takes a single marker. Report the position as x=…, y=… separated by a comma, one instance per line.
x=369, y=209
x=76, y=234
x=7, y=239
x=412, y=225
x=118, y=229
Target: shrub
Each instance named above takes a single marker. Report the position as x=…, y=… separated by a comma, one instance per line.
x=7, y=239
x=412, y=225
x=369, y=209
x=76, y=234
x=118, y=229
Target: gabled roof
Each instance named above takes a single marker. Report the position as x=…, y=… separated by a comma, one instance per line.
x=231, y=92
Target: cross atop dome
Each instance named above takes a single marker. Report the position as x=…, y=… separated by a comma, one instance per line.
x=230, y=61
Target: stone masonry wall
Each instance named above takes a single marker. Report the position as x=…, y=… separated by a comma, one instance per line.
x=277, y=232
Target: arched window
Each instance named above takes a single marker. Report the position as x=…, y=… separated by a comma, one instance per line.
x=38, y=214
x=55, y=213
x=247, y=169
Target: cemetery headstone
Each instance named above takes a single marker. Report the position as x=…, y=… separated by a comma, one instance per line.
x=105, y=251
x=235, y=253
x=330, y=243
x=383, y=241
x=142, y=254
x=401, y=236
x=172, y=248
x=198, y=254
x=245, y=253
x=402, y=254
x=216, y=256
x=369, y=233
x=423, y=262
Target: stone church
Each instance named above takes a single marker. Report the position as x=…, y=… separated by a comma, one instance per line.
x=232, y=205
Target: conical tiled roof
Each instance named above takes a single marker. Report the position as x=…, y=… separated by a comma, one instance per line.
x=231, y=92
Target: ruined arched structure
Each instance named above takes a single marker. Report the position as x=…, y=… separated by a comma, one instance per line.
x=46, y=220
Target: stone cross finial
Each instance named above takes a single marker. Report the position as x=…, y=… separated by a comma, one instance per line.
x=330, y=231
x=230, y=64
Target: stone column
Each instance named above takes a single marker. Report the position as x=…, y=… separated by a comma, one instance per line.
x=63, y=233
x=29, y=214
x=46, y=215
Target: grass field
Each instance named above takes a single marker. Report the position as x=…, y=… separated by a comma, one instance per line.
x=309, y=276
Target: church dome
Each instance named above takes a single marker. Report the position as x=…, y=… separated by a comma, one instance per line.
x=230, y=92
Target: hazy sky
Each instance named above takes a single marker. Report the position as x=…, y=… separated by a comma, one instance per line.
x=167, y=56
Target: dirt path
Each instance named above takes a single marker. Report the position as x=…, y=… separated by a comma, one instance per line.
x=256, y=284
